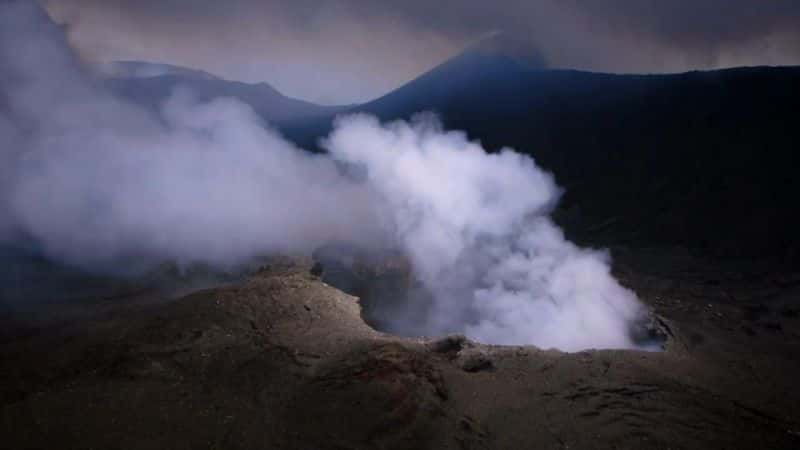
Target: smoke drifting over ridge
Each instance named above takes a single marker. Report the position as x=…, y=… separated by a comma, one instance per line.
x=98, y=182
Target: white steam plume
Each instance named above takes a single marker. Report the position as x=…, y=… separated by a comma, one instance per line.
x=477, y=230
x=97, y=182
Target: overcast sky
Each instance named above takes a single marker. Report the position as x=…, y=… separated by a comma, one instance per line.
x=344, y=51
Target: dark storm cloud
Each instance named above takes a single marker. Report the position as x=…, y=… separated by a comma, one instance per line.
x=350, y=50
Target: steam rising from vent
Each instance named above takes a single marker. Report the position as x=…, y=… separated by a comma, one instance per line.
x=476, y=228
x=101, y=183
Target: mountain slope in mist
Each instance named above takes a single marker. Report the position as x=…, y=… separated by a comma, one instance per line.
x=152, y=84
x=140, y=69
x=700, y=159
x=461, y=85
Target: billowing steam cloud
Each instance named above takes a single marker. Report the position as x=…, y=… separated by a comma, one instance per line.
x=98, y=182
x=476, y=228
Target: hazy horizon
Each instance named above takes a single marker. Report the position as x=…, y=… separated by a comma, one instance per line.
x=351, y=51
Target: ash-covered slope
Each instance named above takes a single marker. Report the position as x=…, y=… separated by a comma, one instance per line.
x=284, y=361
x=700, y=159
x=151, y=84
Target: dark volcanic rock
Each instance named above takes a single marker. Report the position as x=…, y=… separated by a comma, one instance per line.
x=476, y=361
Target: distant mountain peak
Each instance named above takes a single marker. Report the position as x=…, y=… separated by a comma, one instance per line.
x=501, y=44
x=498, y=63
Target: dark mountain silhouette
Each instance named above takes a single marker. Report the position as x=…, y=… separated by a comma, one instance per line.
x=704, y=160
x=151, y=84
x=485, y=65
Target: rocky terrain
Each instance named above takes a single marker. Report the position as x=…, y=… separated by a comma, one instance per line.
x=281, y=359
